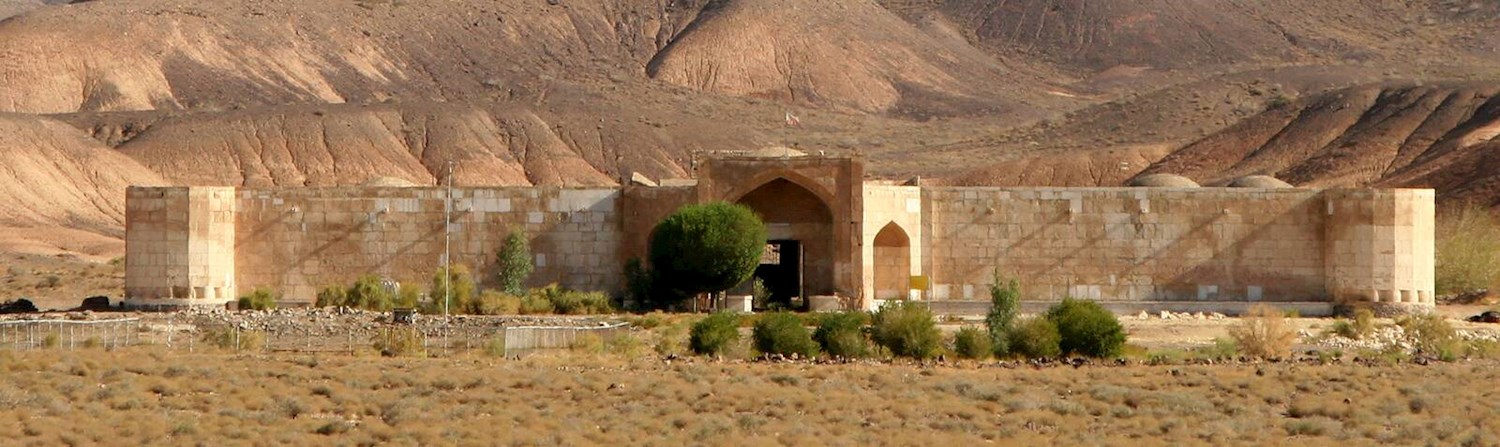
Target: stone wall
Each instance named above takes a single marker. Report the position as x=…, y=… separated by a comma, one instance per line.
x=181, y=246
x=1206, y=244
x=892, y=213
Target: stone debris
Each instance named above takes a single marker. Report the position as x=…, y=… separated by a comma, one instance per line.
x=333, y=321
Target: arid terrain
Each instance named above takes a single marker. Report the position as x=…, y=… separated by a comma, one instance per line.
x=627, y=393
x=102, y=94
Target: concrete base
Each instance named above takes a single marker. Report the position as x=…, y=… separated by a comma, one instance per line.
x=739, y=303
x=825, y=303
x=1232, y=308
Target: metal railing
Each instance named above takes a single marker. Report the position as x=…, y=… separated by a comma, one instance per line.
x=69, y=334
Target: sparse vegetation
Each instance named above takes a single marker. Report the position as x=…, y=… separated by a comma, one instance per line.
x=494, y=302
x=1468, y=253
x=233, y=339
x=714, y=334
x=1264, y=333
x=782, y=333
x=1432, y=335
x=842, y=335
x=705, y=248
x=906, y=329
x=1086, y=328
x=368, y=292
x=515, y=263
x=572, y=302
x=399, y=341
x=259, y=299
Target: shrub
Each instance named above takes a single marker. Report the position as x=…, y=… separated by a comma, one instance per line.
x=907, y=329
x=332, y=296
x=514, y=261
x=972, y=343
x=1263, y=333
x=572, y=302
x=705, y=248
x=1364, y=322
x=842, y=335
x=259, y=299
x=1468, y=254
x=1086, y=328
x=1005, y=303
x=234, y=339
x=369, y=292
x=494, y=302
x=782, y=333
x=1036, y=338
x=715, y=333
x=408, y=296
x=399, y=342
x=1431, y=335
x=462, y=290
x=533, y=304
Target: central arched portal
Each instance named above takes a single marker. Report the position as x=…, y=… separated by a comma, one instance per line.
x=799, y=248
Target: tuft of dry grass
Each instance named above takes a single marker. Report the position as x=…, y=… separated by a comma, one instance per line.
x=1264, y=333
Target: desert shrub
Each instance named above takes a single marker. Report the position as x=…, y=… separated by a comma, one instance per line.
x=494, y=302
x=1086, y=328
x=495, y=346
x=1342, y=328
x=782, y=333
x=1005, y=303
x=907, y=329
x=332, y=296
x=408, y=296
x=1431, y=335
x=258, y=299
x=534, y=304
x=572, y=302
x=972, y=343
x=842, y=335
x=1035, y=338
x=399, y=342
x=369, y=292
x=1364, y=322
x=514, y=262
x=1468, y=253
x=715, y=333
x=229, y=338
x=1263, y=333
x=462, y=290
x=705, y=248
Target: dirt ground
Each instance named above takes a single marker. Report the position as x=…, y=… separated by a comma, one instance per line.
x=152, y=396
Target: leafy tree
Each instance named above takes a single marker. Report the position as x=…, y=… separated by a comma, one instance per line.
x=1005, y=303
x=515, y=263
x=705, y=248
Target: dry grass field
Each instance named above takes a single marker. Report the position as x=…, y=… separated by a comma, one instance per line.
x=151, y=396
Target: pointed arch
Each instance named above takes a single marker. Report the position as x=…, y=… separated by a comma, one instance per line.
x=892, y=262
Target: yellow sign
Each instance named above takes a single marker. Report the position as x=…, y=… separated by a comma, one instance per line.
x=920, y=282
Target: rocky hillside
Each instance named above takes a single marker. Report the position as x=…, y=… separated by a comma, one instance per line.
x=105, y=93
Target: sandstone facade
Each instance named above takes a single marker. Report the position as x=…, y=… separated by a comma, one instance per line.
x=832, y=233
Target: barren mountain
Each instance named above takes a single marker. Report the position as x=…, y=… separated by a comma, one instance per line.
x=571, y=92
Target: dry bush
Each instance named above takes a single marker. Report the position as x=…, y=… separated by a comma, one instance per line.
x=228, y=338
x=1263, y=332
x=399, y=342
x=1431, y=335
x=494, y=302
x=259, y=299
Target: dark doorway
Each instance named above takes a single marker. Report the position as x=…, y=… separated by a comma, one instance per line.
x=781, y=271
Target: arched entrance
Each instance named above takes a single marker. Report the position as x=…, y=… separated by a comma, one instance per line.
x=799, y=252
x=892, y=263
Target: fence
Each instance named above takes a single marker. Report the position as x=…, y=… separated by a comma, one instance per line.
x=523, y=340
x=69, y=334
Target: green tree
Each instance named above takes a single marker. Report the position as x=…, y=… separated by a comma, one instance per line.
x=515, y=263
x=705, y=248
x=1087, y=329
x=1005, y=303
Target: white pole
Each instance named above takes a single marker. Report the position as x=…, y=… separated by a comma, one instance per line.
x=447, y=225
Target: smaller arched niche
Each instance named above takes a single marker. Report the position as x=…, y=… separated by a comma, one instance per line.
x=892, y=263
